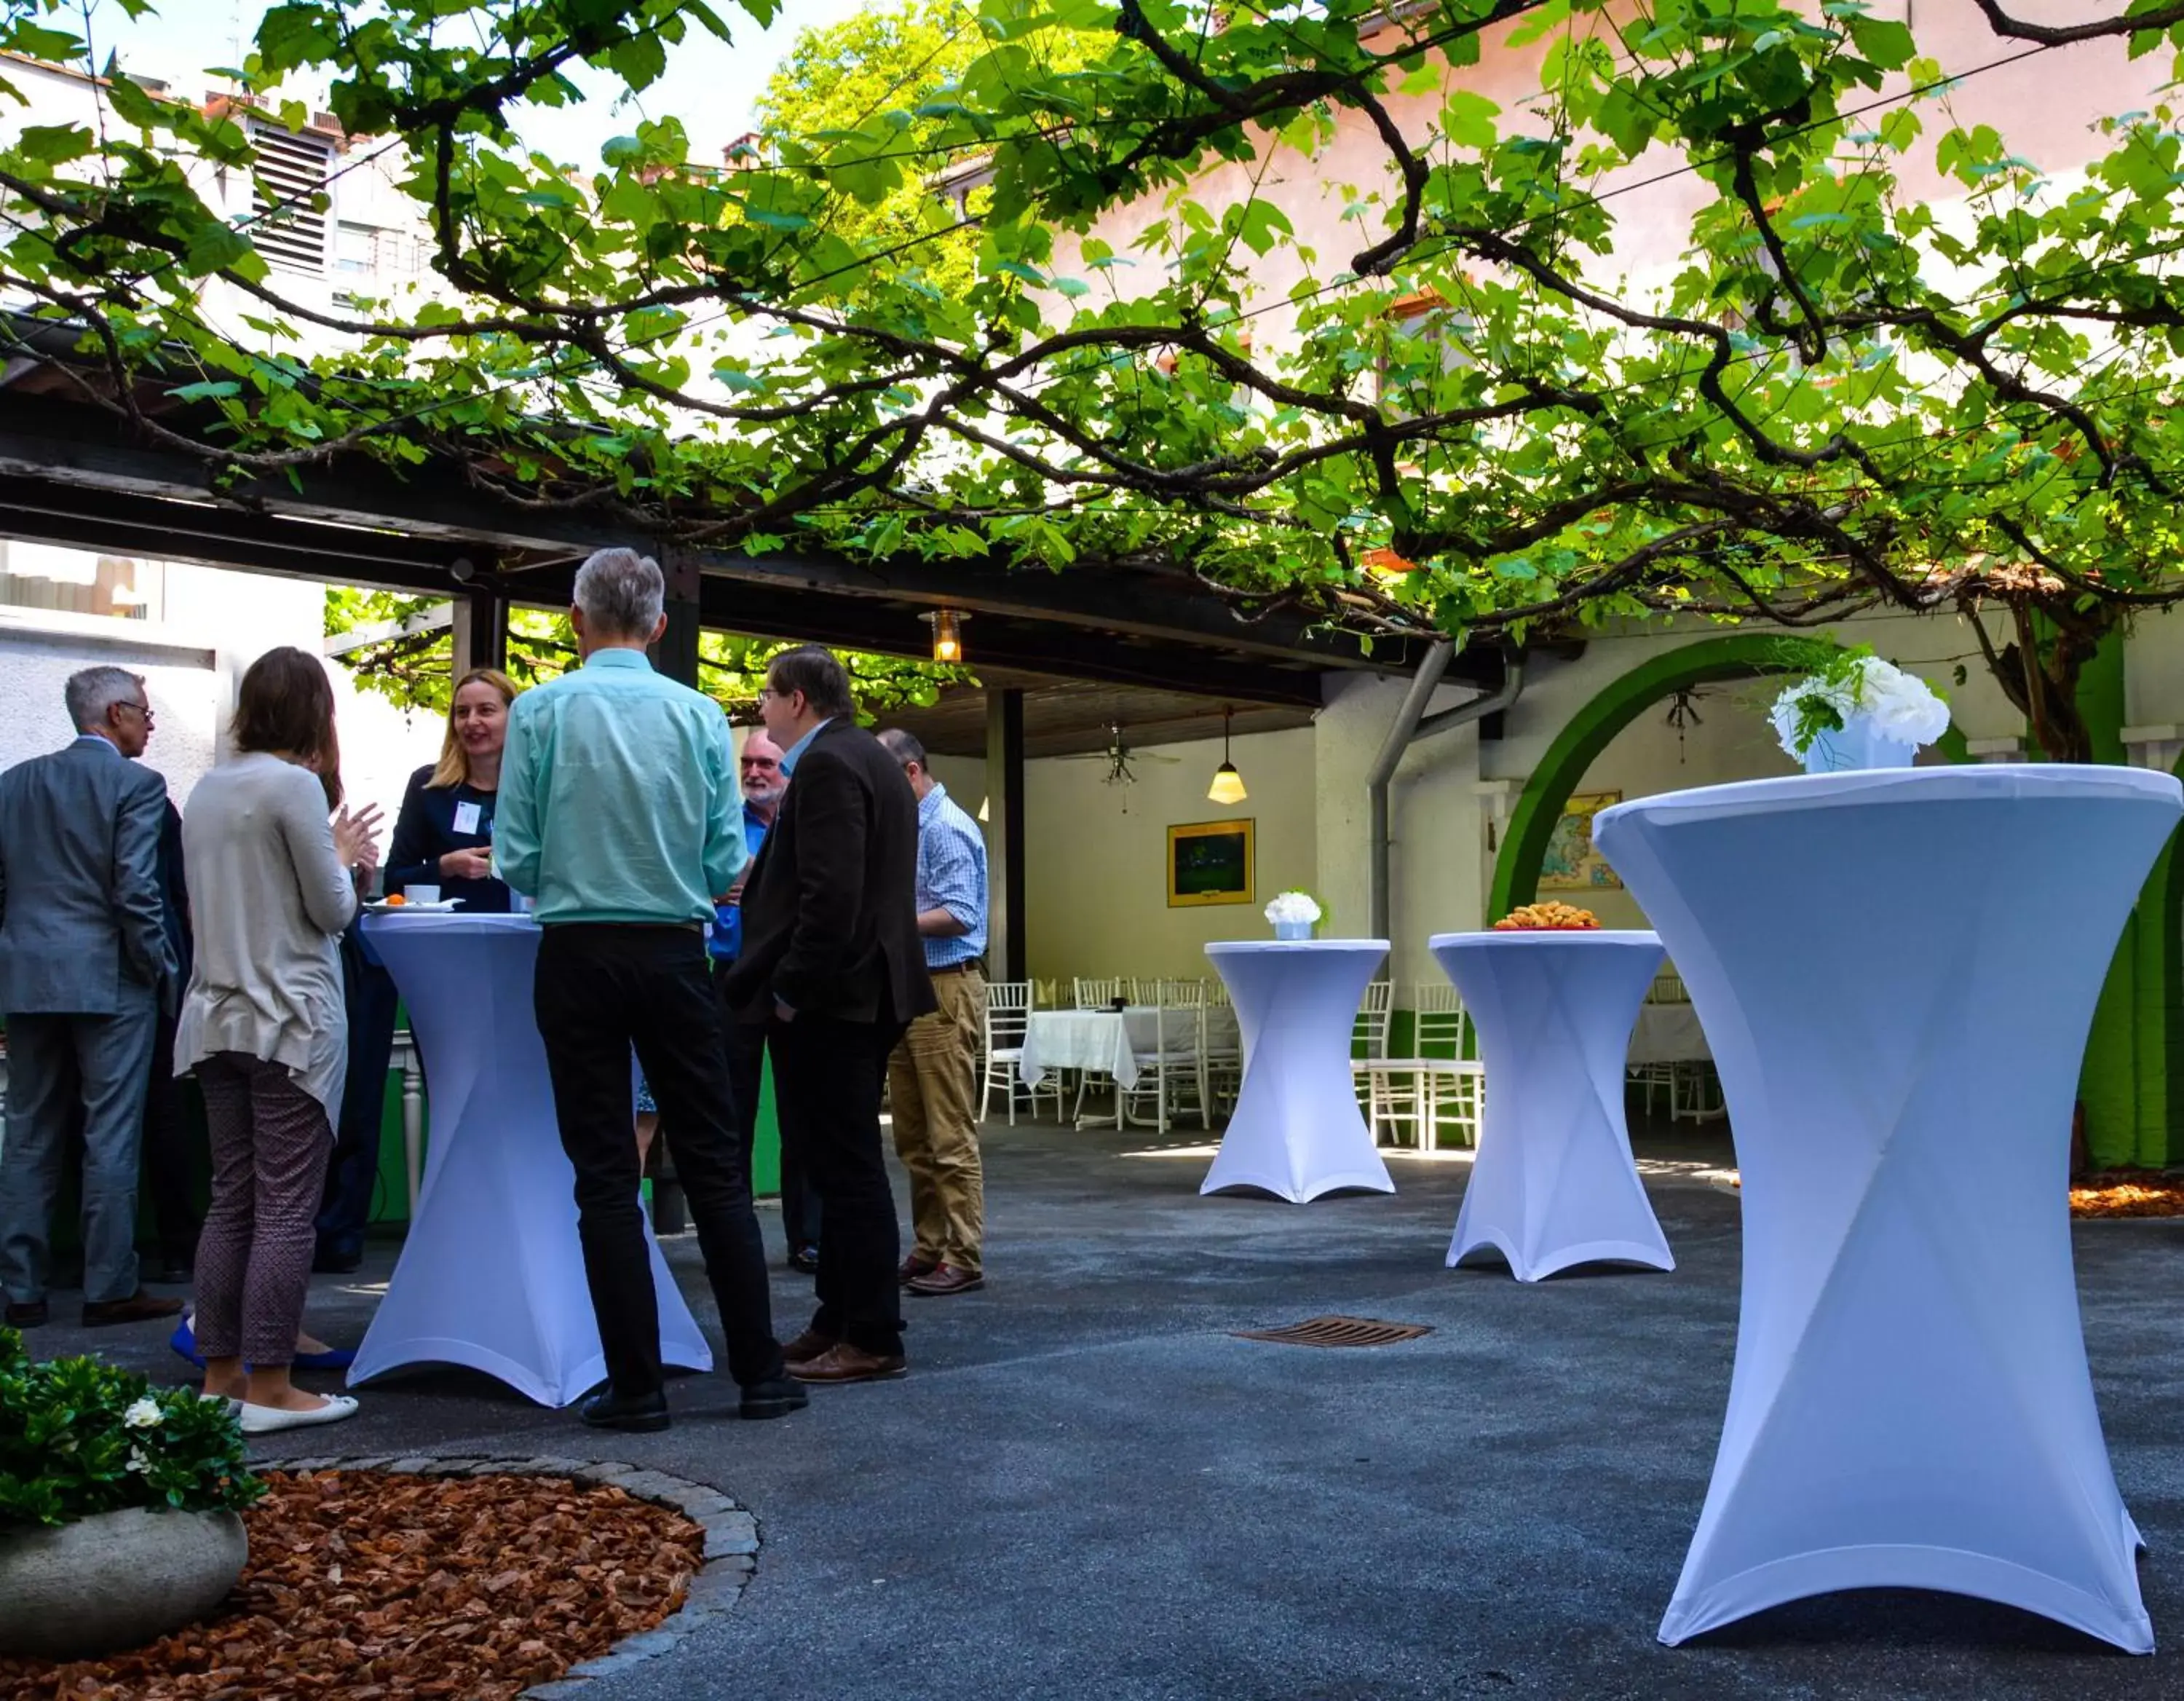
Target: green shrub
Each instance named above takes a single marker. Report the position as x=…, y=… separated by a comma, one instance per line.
x=79, y=1437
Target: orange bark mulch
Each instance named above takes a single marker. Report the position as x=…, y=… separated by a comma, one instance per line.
x=367, y=1587
x=2117, y=1193
x=2128, y=1193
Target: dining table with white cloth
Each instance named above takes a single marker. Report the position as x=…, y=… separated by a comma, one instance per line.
x=1109, y=1042
x=1668, y=1033
x=1297, y=1132
x=1910, y=1406
x=491, y=1275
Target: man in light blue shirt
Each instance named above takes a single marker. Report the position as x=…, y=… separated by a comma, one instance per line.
x=619, y=812
x=932, y=1075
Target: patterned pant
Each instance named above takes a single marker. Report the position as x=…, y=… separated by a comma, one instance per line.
x=269, y=1145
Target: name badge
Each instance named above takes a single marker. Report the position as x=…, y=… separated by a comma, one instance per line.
x=466, y=817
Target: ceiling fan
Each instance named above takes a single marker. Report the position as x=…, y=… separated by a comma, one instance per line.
x=1118, y=756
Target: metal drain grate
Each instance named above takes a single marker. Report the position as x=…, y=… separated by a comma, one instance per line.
x=1338, y=1332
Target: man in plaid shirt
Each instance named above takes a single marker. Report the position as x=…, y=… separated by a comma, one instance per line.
x=932, y=1075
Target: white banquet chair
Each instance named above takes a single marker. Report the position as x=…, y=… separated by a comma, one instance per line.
x=1008, y=1016
x=1177, y=1060
x=1438, y=1080
x=1097, y=994
x=1368, y=1039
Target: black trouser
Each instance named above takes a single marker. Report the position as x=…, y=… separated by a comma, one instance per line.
x=601, y=989
x=826, y=1077
x=369, y=995
x=799, y=1201
x=169, y=1174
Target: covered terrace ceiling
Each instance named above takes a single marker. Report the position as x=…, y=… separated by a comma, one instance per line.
x=73, y=473
x=1073, y=718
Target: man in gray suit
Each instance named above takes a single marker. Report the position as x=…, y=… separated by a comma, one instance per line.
x=85, y=967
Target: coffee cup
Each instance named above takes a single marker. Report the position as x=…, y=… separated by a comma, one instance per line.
x=421, y=895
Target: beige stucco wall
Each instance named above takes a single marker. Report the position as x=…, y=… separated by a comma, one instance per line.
x=1096, y=887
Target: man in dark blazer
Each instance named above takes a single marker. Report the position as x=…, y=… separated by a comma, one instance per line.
x=832, y=962
x=85, y=972
x=169, y=1170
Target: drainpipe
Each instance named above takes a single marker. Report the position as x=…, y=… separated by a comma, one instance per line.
x=1411, y=724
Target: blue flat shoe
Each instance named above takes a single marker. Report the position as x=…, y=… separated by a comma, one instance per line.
x=184, y=1340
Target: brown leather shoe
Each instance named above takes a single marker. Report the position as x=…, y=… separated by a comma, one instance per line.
x=807, y=1346
x=31, y=1314
x=843, y=1362
x=915, y=1266
x=139, y=1307
x=944, y=1281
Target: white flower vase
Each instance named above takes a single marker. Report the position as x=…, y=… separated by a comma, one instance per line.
x=1858, y=746
x=1292, y=930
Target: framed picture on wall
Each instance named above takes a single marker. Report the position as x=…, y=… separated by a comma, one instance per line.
x=1571, y=864
x=1210, y=862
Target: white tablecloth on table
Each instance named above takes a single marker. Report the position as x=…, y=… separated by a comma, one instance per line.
x=1111, y=1041
x=1668, y=1034
x=1553, y=1185
x=492, y=1275
x=1897, y=970
x=1297, y=1132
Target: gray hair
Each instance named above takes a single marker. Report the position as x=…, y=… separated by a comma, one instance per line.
x=904, y=749
x=621, y=592
x=89, y=694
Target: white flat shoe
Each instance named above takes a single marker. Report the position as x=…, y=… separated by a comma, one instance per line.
x=265, y=1420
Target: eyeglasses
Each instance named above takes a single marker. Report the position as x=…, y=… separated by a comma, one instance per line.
x=759, y=762
x=146, y=710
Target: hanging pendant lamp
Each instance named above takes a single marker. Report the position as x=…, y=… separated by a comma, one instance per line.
x=1227, y=785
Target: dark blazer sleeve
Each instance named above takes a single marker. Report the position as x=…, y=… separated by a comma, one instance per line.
x=833, y=814
x=135, y=893
x=175, y=894
x=420, y=838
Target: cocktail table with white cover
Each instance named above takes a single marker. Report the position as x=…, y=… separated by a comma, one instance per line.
x=1897, y=970
x=492, y=1275
x=1553, y=1183
x=1297, y=1131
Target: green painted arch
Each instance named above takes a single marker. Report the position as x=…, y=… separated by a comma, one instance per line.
x=1743, y=655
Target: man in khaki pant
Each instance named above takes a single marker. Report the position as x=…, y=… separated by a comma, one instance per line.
x=932, y=1075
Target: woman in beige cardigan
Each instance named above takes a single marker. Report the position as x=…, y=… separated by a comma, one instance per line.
x=272, y=886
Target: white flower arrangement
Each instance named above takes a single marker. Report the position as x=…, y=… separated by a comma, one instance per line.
x=143, y=1414
x=1293, y=906
x=1899, y=705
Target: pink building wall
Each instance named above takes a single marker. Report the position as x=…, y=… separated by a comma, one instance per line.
x=2047, y=106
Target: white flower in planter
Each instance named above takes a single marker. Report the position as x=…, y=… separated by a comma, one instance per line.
x=1903, y=706
x=144, y=1414
x=1898, y=706
x=1293, y=906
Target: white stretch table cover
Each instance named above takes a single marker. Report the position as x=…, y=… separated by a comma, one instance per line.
x=1109, y=1040
x=492, y=1275
x=1297, y=1132
x=1669, y=1034
x=1897, y=970
x=1553, y=1183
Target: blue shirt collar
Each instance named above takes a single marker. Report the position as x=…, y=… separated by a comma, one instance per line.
x=935, y=796
x=795, y=753
x=94, y=739
x=618, y=658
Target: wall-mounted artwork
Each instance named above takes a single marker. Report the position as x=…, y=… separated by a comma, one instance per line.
x=1571, y=864
x=1210, y=862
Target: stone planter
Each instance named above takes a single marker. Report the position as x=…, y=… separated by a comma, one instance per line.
x=114, y=1580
